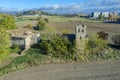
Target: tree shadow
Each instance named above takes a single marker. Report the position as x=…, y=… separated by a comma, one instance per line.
x=114, y=46
x=111, y=22
x=71, y=37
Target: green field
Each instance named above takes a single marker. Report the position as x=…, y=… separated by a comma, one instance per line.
x=70, y=19
x=32, y=19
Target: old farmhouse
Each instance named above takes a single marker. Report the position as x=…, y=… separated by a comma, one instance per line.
x=24, y=37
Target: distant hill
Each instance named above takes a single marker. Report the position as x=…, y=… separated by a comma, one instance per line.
x=22, y=11
x=34, y=12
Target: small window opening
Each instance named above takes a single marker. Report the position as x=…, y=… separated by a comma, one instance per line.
x=82, y=30
x=78, y=30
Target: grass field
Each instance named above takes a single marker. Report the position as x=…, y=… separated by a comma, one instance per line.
x=21, y=24
x=70, y=19
x=62, y=24
x=26, y=19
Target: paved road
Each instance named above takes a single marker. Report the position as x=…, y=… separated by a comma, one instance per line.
x=108, y=70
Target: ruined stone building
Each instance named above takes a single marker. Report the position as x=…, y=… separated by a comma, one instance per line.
x=80, y=36
x=24, y=37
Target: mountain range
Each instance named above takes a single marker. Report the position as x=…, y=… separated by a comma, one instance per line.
x=57, y=9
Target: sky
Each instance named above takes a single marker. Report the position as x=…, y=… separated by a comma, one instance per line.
x=62, y=6
x=35, y=3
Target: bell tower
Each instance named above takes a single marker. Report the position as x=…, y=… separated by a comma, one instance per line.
x=80, y=32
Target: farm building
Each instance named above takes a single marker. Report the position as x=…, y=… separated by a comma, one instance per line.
x=24, y=37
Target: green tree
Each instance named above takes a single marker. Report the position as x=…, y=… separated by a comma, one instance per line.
x=57, y=46
x=4, y=45
x=101, y=17
x=19, y=15
x=7, y=22
x=41, y=24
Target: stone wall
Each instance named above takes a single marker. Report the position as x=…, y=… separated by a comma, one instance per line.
x=27, y=42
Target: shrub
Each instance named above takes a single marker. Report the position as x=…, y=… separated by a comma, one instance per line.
x=7, y=22
x=4, y=45
x=57, y=46
x=15, y=49
x=46, y=20
x=116, y=39
x=41, y=24
x=110, y=54
x=38, y=18
x=29, y=26
x=96, y=45
x=103, y=35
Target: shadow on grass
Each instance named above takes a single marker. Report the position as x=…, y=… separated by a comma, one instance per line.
x=114, y=46
x=112, y=22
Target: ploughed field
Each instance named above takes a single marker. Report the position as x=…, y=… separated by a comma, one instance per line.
x=91, y=27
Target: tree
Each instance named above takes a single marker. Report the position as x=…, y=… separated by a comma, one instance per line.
x=103, y=35
x=19, y=15
x=101, y=17
x=7, y=22
x=57, y=46
x=4, y=45
x=41, y=24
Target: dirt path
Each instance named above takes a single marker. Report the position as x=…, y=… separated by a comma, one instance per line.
x=108, y=70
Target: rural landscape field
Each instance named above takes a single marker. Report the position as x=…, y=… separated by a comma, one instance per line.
x=60, y=24
x=60, y=40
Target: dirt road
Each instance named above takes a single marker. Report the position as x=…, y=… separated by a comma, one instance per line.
x=108, y=70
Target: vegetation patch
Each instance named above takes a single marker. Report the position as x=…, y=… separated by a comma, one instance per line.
x=55, y=48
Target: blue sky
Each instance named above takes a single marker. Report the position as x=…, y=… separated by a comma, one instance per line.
x=62, y=6
x=35, y=3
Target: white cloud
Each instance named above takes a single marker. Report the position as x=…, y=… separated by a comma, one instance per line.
x=92, y=5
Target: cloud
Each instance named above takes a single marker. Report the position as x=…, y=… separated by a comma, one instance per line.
x=89, y=6
x=59, y=8
x=92, y=5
